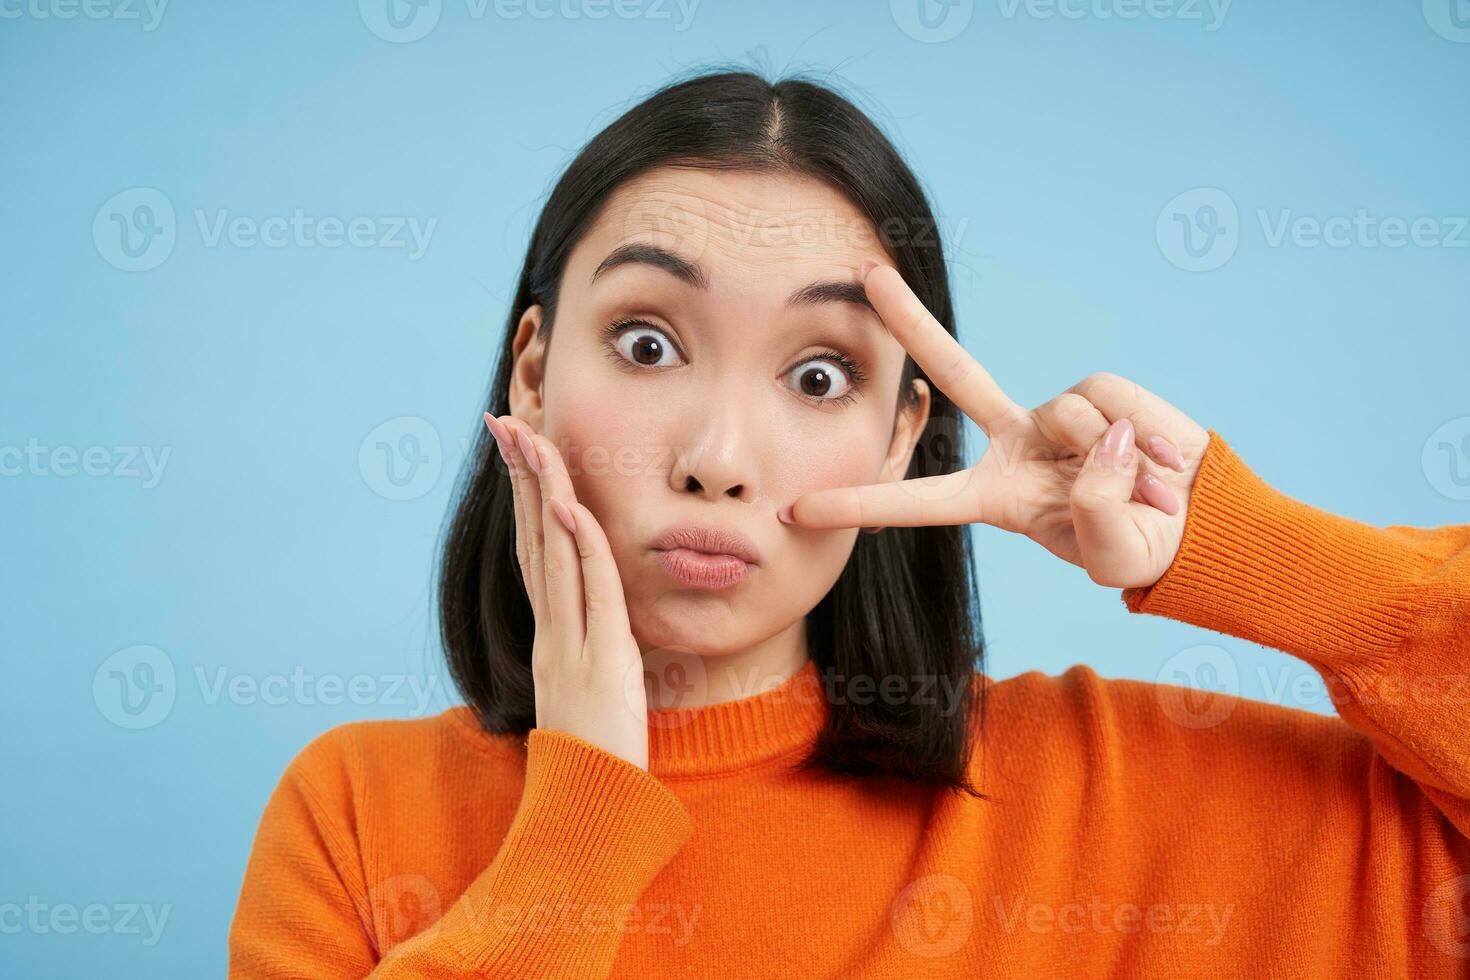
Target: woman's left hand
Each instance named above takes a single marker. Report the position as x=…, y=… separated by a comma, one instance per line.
x=1066, y=474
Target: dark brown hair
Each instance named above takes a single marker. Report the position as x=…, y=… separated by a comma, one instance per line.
x=905, y=605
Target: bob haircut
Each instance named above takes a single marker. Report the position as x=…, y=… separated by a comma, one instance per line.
x=905, y=605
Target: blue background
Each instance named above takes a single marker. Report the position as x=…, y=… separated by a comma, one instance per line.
x=273, y=543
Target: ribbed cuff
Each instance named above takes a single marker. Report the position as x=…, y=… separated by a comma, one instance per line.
x=1257, y=564
x=592, y=832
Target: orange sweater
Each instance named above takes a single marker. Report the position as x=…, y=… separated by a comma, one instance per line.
x=1136, y=829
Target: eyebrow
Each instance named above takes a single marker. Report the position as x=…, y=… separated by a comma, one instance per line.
x=690, y=273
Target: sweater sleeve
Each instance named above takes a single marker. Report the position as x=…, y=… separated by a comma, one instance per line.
x=1381, y=613
x=590, y=833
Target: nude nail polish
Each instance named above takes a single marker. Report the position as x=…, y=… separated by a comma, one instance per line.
x=1116, y=441
x=1166, y=452
x=565, y=515
x=528, y=450
x=497, y=430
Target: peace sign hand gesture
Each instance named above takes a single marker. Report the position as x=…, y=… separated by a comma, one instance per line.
x=1065, y=474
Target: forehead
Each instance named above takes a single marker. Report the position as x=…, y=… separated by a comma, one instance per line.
x=782, y=224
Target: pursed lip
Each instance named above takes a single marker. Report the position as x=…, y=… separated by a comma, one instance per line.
x=708, y=539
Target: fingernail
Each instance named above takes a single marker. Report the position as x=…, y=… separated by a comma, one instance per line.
x=565, y=515
x=528, y=450
x=1166, y=452
x=496, y=430
x=1159, y=495
x=1118, y=436
x=865, y=267
x=787, y=514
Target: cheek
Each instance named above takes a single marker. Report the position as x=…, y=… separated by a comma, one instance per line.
x=605, y=436
x=843, y=452
x=595, y=445
x=843, y=455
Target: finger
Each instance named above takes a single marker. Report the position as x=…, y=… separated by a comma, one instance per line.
x=602, y=586
x=529, y=541
x=943, y=359
x=1072, y=421
x=561, y=563
x=947, y=498
x=510, y=452
x=1158, y=494
x=1153, y=418
x=1102, y=516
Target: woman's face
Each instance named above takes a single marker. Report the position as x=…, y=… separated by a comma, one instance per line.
x=713, y=358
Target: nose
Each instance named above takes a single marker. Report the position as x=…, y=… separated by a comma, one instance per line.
x=714, y=458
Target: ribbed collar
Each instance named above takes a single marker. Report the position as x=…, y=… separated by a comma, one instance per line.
x=784, y=720
x=780, y=722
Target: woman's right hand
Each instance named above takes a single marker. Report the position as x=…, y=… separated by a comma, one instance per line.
x=585, y=664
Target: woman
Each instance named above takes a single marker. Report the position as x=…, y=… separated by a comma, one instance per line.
x=713, y=730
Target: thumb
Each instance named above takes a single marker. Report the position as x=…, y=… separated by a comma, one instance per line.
x=1107, y=537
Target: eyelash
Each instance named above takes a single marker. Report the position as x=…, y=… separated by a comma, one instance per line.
x=848, y=364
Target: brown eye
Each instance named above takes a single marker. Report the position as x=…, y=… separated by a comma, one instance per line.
x=820, y=379
x=646, y=347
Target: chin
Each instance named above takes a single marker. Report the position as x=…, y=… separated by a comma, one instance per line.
x=684, y=633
